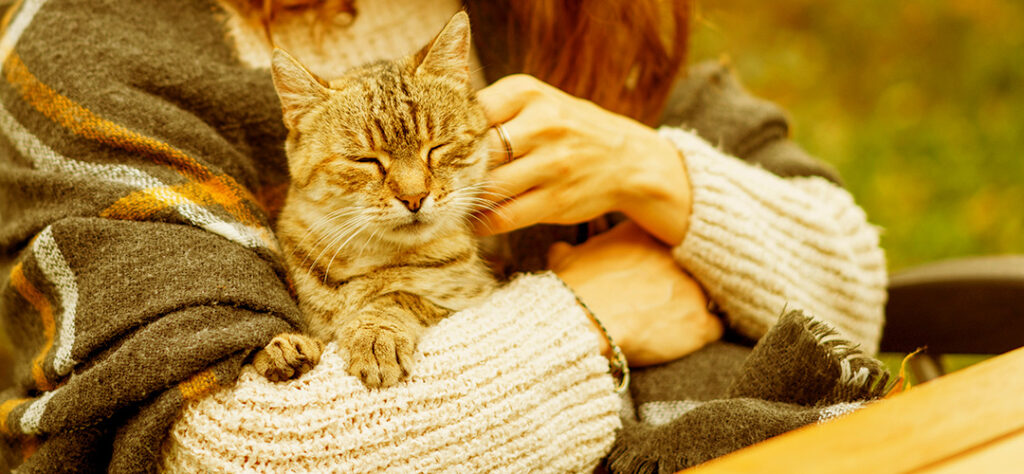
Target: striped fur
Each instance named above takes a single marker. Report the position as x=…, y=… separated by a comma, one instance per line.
x=386, y=164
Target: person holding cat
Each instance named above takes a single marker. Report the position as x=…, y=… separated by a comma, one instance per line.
x=144, y=170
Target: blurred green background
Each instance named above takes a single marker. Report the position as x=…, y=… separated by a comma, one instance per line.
x=920, y=104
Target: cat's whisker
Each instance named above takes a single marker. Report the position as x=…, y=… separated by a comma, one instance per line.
x=324, y=221
x=372, y=238
x=473, y=205
x=334, y=232
x=492, y=191
x=352, y=227
x=335, y=236
x=327, y=270
x=475, y=218
x=480, y=203
x=480, y=191
x=345, y=223
x=486, y=224
x=358, y=230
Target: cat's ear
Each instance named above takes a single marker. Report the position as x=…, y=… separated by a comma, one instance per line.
x=448, y=54
x=300, y=90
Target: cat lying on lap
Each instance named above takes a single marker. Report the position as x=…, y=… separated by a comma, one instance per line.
x=386, y=164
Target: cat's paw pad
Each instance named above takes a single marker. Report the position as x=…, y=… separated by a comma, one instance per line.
x=288, y=356
x=379, y=357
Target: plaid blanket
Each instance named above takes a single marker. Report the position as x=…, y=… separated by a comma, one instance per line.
x=138, y=269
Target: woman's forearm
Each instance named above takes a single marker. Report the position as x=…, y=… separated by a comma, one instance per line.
x=658, y=198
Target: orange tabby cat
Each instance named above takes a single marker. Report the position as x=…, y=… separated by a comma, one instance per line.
x=386, y=165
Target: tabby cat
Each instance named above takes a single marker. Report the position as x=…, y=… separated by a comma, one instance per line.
x=387, y=163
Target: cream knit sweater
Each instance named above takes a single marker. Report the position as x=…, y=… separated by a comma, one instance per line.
x=517, y=383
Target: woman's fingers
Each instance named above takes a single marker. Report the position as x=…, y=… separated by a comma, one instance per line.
x=558, y=254
x=514, y=178
x=525, y=210
x=522, y=134
x=504, y=99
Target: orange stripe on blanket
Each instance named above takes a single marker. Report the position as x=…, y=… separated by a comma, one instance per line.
x=5, y=410
x=222, y=189
x=141, y=205
x=39, y=302
x=200, y=384
x=29, y=446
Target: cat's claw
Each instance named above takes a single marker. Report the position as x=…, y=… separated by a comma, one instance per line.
x=379, y=357
x=288, y=356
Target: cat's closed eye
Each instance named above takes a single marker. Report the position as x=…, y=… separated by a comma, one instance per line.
x=367, y=159
x=433, y=153
x=371, y=160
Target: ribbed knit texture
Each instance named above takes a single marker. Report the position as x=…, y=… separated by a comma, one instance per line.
x=760, y=244
x=515, y=385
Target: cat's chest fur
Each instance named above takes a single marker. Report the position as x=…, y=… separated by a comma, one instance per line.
x=446, y=270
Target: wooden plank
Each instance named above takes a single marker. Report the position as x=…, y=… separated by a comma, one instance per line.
x=920, y=428
x=1003, y=455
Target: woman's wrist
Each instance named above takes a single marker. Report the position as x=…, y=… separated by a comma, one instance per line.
x=617, y=362
x=657, y=194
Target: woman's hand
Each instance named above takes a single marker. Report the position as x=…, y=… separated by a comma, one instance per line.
x=652, y=309
x=574, y=161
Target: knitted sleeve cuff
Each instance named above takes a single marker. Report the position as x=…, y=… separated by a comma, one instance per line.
x=760, y=244
x=516, y=384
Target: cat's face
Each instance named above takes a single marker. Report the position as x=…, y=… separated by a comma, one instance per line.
x=393, y=148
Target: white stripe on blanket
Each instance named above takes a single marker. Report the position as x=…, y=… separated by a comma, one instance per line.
x=45, y=158
x=839, y=409
x=18, y=24
x=662, y=413
x=52, y=263
x=30, y=419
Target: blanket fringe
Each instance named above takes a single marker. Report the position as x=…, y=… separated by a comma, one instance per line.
x=859, y=373
x=623, y=459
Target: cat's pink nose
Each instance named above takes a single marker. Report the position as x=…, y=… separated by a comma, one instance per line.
x=413, y=202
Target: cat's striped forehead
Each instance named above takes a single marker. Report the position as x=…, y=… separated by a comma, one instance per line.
x=384, y=106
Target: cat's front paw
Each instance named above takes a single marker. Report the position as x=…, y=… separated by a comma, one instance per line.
x=288, y=356
x=379, y=356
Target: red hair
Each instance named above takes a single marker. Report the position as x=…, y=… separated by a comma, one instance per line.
x=623, y=55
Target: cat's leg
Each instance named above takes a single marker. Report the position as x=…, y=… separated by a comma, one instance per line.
x=288, y=356
x=380, y=341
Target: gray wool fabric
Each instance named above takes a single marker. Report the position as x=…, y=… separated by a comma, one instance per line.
x=726, y=397
x=140, y=168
